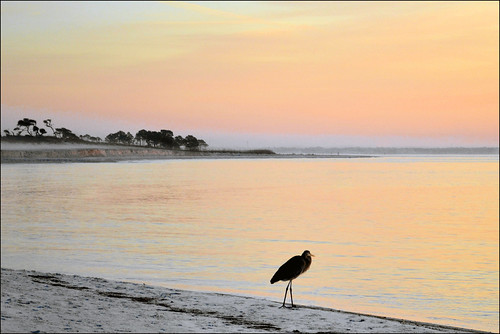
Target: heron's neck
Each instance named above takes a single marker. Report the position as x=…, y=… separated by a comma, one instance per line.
x=308, y=260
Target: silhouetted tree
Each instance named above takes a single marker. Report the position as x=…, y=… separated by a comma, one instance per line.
x=120, y=137
x=39, y=132
x=90, y=138
x=66, y=134
x=167, y=133
x=163, y=138
x=141, y=137
x=167, y=140
x=48, y=123
x=113, y=137
x=191, y=143
x=128, y=139
x=25, y=124
x=179, y=141
x=202, y=144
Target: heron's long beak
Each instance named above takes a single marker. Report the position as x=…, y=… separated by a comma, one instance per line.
x=312, y=254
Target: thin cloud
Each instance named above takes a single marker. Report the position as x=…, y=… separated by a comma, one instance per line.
x=227, y=16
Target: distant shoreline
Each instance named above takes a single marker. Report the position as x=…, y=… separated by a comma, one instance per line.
x=381, y=151
x=19, y=150
x=35, y=150
x=62, y=155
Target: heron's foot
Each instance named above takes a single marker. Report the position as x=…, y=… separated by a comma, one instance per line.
x=290, y=307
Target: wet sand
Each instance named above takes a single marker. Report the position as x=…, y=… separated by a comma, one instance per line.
x=38, y=302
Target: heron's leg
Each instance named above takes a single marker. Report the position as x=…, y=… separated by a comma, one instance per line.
x=291, y=297
x=286, y=291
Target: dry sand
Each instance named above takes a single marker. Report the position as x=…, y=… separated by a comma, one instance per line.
x=41, y=302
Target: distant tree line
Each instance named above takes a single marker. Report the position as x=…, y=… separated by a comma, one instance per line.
x=160, y=139
x=29, y=128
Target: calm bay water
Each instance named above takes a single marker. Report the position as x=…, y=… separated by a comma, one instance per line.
x=411, y=237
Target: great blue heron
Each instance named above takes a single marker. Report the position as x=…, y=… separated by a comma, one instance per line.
x=291, y=270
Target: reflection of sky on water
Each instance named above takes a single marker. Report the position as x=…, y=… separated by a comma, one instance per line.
x=417, y=239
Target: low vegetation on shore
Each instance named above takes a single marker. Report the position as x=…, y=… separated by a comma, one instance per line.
x=28, y=132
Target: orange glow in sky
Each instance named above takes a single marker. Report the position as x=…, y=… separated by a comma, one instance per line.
x=368, y=69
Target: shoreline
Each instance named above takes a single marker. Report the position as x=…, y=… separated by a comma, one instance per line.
x=34, y=301
x=115, y=154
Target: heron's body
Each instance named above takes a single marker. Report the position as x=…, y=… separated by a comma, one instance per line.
x=292, y=269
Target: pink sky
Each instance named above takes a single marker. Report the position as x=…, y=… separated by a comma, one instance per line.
x=360, y=73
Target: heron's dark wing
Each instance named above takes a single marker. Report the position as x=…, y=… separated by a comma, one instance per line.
x=290, y=270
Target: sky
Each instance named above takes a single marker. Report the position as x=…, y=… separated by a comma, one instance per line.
x=255, y=74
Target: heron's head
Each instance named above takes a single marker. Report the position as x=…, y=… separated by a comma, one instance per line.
x=307, y=254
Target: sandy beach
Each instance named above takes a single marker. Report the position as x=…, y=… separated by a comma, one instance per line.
x=39, y=302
